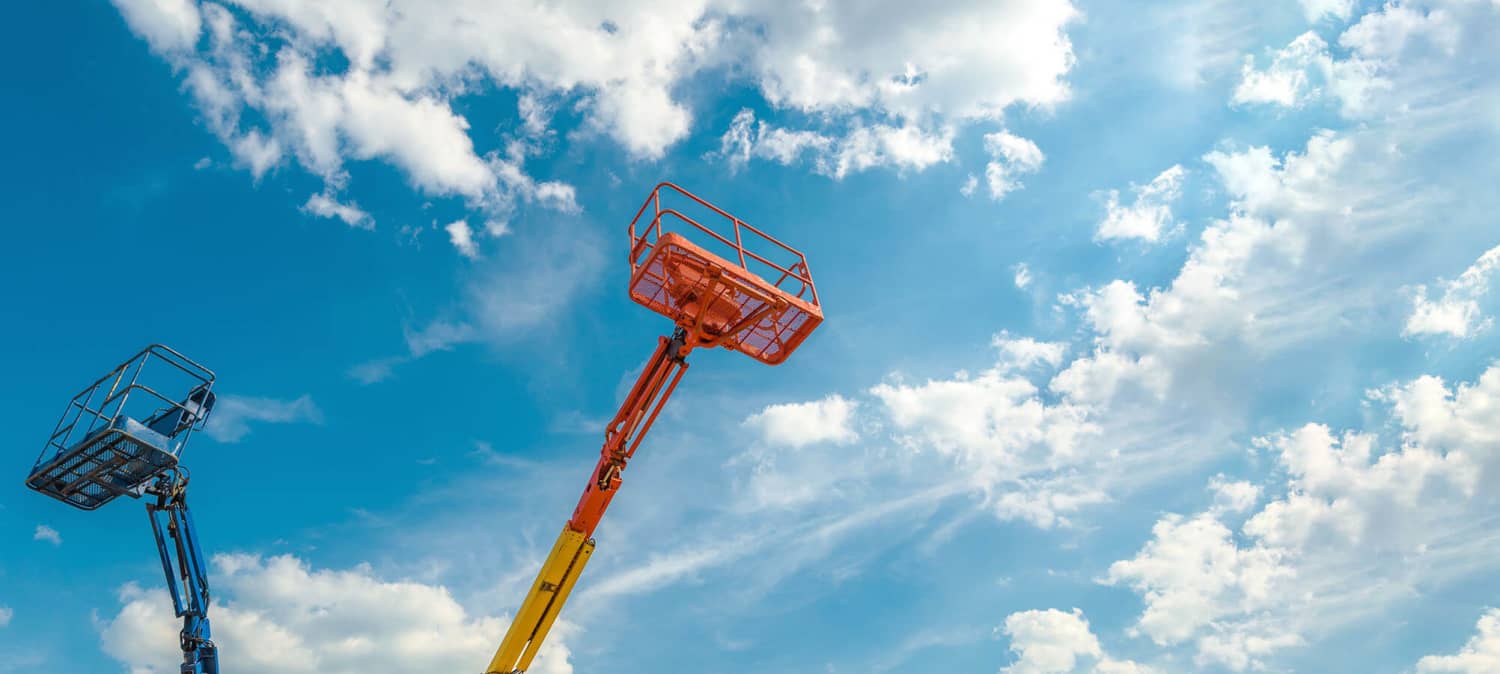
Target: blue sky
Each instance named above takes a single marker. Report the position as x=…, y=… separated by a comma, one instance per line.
x=1159, y=335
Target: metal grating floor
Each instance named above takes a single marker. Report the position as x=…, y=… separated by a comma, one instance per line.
x=100, y=469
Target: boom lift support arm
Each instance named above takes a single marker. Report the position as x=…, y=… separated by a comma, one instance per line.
x=575, y=544
x=187, y=577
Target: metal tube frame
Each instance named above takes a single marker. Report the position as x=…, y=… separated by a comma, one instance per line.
x=644, y=243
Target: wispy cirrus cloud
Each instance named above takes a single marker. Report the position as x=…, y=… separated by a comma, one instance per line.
x=234, y=416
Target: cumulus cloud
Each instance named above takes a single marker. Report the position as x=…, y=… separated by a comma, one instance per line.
x=1055, y=642
x=167, y=25
x=794, y=459
x=1001, y=434
x=1150, y=216
x=1457, y=313
x=1233, y=496
x=800, y=424
x=1309, y=247
x=397, y=113
x=858, y=149
x=1317, y=9
x=1266, y=276
x=969, y=186
x=1026, y=352
x=324, y=205
x=233, y=416
x=958, y=59
x=1191, y=574
x=1353, y=530
x=1285, y=82
x=462, y=238
x=281, y=615
x=46, y=533
x=1010, y=157
x=896, y=82
x=1305, y=71
x=1480, y=655
x=1023, y=276
x=6, y=613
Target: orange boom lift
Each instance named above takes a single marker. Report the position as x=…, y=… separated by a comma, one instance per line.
x=714, y=300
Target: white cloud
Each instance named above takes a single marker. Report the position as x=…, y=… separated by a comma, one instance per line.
x=375, y=371
x=1150, y=216
x=325, y=206
x=1457, y=313
x=510, y=295
x=1054, y=642
x=438, y=335
x=280, y=615
x=168, y=25
x=1305, y=71
x=1023, y=276
x=1355, y=530
x=1285, y=82
x=971, y=184
x=1232, y=496
x=955, y=59
x=233, y=415
x=1390, y=32
x=895, y=83
x=800, y=424
x=1025, y=352
x=836, y=155
x=1480, y=655
x=325, y=119
x=903, y=147
x=1191, y=575
x=1001, y=436
x=1273, y=273
x=799, y=454
x=462, y=238
x=46, y=533
x=1315, y=243
x=1011, y=156
x=1458, y=418
x=1048, y=642
x=1317, y=9
x=6, y=613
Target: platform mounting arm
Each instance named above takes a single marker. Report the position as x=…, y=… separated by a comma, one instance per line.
x=187, y=576
x=575, y=544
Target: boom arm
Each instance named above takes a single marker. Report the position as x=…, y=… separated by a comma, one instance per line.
x=575, y=544
x=187, y=577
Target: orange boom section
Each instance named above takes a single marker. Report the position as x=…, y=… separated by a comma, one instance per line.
x=720, y=299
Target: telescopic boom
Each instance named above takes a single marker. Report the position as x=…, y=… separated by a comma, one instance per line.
x=575, y=544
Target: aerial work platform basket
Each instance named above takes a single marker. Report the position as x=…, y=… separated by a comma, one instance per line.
x=121, y=431
x=685, y=265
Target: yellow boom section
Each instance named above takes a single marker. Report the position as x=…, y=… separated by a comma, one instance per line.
x=543, y=602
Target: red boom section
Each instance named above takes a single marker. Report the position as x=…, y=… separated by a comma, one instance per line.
x=628, y=428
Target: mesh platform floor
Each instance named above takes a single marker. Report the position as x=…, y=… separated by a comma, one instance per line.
x=673, y=282
x=105, y=466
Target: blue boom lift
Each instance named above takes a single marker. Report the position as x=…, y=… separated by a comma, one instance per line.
x=121, y=436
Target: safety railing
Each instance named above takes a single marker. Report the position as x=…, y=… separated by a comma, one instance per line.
x=131, y=389
x=790, y=273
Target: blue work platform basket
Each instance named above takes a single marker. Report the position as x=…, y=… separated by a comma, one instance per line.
x=125, y=429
